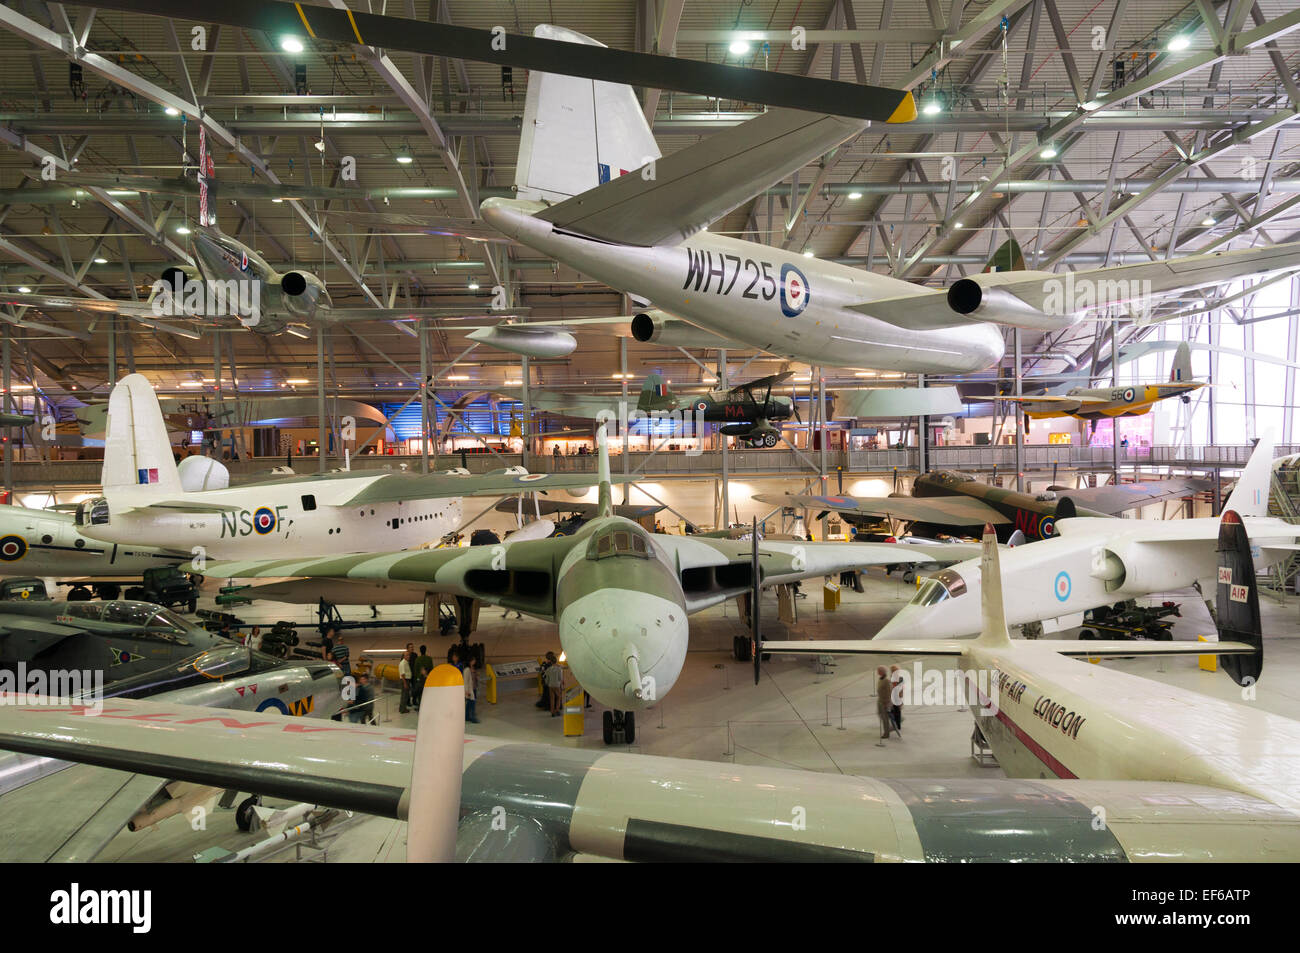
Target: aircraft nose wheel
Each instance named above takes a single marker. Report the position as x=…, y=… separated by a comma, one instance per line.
x=769, y=440
x=619, y=727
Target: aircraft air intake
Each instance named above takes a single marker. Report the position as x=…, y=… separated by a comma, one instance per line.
x=293, y=283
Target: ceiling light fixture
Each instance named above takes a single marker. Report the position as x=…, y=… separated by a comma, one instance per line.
x=172, y=111
x=182, y=230
x=404, y=158
x=24, y=290
x=291, y=44
x=855, y=195
x=1179, y=42
x=739, y=47
x=1049, y=152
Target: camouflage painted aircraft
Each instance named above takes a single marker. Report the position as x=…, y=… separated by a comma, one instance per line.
x=1130, y=400
x=745, y=410
x=619, y=594
x=946, y=502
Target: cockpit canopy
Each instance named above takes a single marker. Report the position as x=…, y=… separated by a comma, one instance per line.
x=152, y=621
x=942, y=585
x=92, y=512
x=619, y=541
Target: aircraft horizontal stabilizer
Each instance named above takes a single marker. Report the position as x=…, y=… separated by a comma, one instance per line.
x=185, y=506
x=682, y=193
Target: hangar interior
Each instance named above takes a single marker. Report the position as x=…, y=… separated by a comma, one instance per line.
x=1088, y=135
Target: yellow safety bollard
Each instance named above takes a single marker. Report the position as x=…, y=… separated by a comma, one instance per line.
x=830, y=597
x=575, y=718
x=490, y=684
x=1206, y=663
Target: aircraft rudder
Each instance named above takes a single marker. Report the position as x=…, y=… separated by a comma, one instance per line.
x=1008, y=257
x=1181, y=372
x=138, y=457
x=1237, y=600
x=1250, y=496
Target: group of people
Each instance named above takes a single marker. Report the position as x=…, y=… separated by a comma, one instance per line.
x=888, y=706
x=413, y=669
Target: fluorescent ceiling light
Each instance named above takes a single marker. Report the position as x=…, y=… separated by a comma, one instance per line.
x=191, y=384
x=172, y=111
x=297, y=380
x=855, y=195
x=1049, y=152
x=1208, y=221
x=182, y=230
x=956, y=224
x=24, y=290
x=101, y=261
x=291, y=44
x=277, y=201
x=1179, y=42
x=739, y=47
x=931, y=107
x=456, y=377
x=404, y=159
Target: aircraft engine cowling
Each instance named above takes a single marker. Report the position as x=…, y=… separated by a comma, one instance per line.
x=1136, y=568
x=303, y=293
x=658, y=327
x=980, y=299
x=174, y=274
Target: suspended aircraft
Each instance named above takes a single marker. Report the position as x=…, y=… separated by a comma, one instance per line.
x=954, y=503
x=1129, y=400
x=745, y=410
x=1093, y=562
x=594, y=193
x=1177, y=775
x=620, y=595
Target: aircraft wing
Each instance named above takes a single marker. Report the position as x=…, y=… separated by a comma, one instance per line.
x=1030, y=299
x=335, y=315
x=78, y=303
x=1057, y=399
x=1074, y=648
x=1127, y=496
x=395, y=487
x=944, y=510
x=703, y=182
x=471, y=228
x=761, y=383
x=632, y=511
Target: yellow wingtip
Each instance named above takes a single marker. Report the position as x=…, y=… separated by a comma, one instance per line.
x=443, y=676
x=906, y=110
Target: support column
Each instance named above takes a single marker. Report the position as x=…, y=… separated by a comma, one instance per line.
x=320, y=397
x=426, y=382
x=1114, y=382
x=525, y=425
x=722, y=442
x=112, y=350
x=1020, y=435
x=7, y=382
x=624, y=422
x=923, y=433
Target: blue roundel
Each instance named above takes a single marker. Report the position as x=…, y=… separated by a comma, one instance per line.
x=263, y=520
x=1063, y=586
x=794, y=291
x=274, y=704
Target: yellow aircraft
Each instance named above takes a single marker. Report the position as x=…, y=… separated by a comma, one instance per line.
x=1095, y=403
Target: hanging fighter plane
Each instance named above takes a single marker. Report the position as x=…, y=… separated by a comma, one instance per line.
x=342, y=512
x=619, y=594
x=1130, y=400
x=594, y=193
x=1096, y=562
x=1175, y=774
x=946, y=502
x=744, y=410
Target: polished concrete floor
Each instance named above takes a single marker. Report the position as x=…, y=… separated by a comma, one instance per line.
x=797, y=716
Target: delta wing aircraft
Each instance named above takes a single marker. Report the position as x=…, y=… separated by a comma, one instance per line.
x=619, y=594
x=1088, y=403
x=345, y=512
x=595, y=194
x=1093, y=562
x=1177, y=775
x=946, y=501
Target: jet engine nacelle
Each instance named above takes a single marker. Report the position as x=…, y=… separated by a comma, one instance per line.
x=981, y=298
x=1136, y=569
x=658, y=327
x=179, y=275
x=303, y=293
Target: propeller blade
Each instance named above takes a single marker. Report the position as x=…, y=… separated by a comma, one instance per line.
x=755, y=591
x=549, y=56
x=434, y=814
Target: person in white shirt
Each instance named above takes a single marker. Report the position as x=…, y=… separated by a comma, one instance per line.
x=254, y=640
x=404, y=673
x=470, y=675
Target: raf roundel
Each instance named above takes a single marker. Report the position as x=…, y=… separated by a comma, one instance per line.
x=1129, y=394
x=1063, y=586
x=794, y=291
x=12, y=548
x=263, y=520
x=532, y=477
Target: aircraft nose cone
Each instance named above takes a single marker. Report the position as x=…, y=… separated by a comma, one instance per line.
x=600, y=631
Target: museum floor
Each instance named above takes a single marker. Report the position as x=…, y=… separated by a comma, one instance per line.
x=716, y=713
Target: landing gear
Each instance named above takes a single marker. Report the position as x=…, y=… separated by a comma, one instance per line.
x=742, y=648
x=107, y=590
x=80, y=594
x=618, y=727
x=769, y=440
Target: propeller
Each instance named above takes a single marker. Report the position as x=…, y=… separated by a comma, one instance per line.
x=755, y=590
x=434, y=812
x=549, y=56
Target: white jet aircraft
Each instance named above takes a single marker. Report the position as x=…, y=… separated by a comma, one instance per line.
x=1172, y=774
x=595, y=194
x=1094, y=562
x=322, y=514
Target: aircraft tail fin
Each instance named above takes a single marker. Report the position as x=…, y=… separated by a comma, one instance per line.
x=993, y=619
x=605, y=500
x=578, y=133
x=1237, y=601
x=1008, y=257
x=656, y=394
x=1182, y=369
x=1250, y=496
x=138, y=461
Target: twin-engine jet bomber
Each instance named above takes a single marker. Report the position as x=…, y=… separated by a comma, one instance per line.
x=619, y=594
x=1177, y=775
x=1130, y=400
x=595, y=194
x=952, y=503
x=343, y=512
